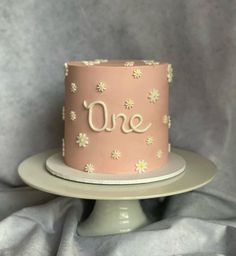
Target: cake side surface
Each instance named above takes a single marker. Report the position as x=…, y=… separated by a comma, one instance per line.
x=116, y=116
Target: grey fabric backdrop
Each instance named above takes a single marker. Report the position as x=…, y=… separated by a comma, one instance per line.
x=198, y=37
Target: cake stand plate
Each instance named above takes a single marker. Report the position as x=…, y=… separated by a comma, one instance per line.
x=117, y=208
x=175, y=165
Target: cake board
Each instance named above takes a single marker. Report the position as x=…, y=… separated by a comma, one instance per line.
x=56, y=166
x=117, y=208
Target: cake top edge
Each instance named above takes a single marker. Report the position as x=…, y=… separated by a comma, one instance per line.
x=114, y=63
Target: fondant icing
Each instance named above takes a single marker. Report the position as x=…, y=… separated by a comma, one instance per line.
x=109, y=121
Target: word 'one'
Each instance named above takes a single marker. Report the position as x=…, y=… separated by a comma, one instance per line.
x=134, y=122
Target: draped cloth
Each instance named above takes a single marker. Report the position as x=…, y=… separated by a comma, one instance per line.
x=198, y=38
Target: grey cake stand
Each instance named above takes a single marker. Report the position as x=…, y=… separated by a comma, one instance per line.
x=117, y=208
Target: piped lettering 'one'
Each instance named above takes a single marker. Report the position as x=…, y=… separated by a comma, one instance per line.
x=133, y=127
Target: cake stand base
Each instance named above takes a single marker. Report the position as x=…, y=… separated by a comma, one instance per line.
x=112, y=217
x=117, y=208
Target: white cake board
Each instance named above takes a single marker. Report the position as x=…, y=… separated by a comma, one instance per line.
x=117, y=208
x=175, y=165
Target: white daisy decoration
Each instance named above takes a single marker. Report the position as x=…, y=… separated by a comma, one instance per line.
x=82, y=139
x=149, y=140
x=66, y=68
x=91, y=63
x=129, y=104
x=129, y=64
x=159, y=154
x=103, y=60
x=115, y=154
x=137, y=73
x=73, y=87
x=63, y=113
x=101, y=87
x=169, y=122
x=153, y=95
x=169, y=73
x=72, y=115
x=148, y=62
x=165, y=119
x=89, y=168
x=100, y=61
x=97, y=61
x=63, y=147
x=169, y=147
x=88, y=63
x=141, y=166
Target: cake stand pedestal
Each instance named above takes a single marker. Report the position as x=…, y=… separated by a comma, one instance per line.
x=112, y=217
x=117, y=208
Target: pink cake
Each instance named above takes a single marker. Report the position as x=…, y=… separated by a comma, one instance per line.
x=116, y=115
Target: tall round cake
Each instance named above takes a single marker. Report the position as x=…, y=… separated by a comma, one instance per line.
x=116, y=115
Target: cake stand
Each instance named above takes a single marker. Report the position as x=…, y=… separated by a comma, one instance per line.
x=117, y=208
